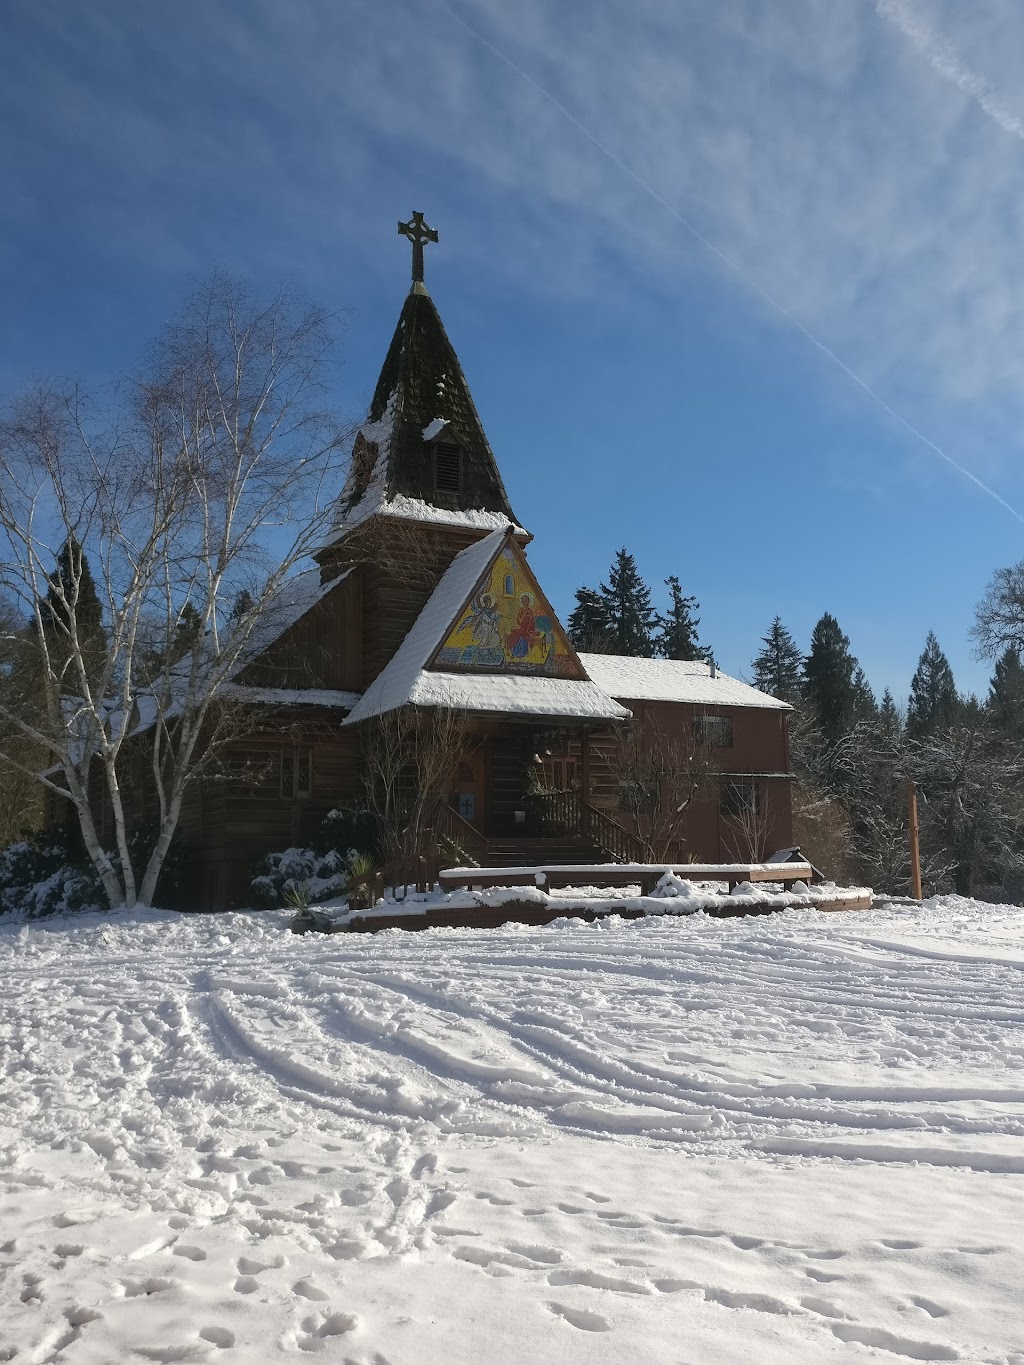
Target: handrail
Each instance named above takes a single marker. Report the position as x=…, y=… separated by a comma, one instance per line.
x=562, y=813
x=621, y=844
x=457, y=831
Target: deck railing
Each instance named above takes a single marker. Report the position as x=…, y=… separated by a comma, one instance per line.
x=566, y=813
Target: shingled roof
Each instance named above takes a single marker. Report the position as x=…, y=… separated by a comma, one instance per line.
x=422, y=396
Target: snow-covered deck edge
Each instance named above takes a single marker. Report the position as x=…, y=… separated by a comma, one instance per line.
x=460, y=908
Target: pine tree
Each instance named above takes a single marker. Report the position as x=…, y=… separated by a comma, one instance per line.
x=777, y=666
x=187, y=631
x=243, y=604
x=626, y=599
x=864, y=705
x=890, y=721
x=829, y=679
x=72, y=606
x=1006, y=694
x=934, y=704
x=677, y=628
x=588, y=625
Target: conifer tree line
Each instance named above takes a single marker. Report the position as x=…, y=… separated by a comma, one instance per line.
x=854, y=756
x=854, y=753
x=618, y=617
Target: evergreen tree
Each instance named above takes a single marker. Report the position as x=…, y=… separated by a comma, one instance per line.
x=890, y=721
x=829, y=680
x=1006, y=694
x=864, y=705
x=72, y=606
x=777, y=666
x=243, y=604
x=677, y=629
x=934, y=704
x=626, y=599
x=588, y=623
x=187, y=631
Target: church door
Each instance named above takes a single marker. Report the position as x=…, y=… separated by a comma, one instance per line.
x=469, y=789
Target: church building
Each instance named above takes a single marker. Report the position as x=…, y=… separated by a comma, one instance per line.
x=423, y=597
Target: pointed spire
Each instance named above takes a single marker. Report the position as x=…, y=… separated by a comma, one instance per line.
x=423, y=445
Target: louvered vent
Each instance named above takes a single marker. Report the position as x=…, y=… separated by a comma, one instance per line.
x=447, y=467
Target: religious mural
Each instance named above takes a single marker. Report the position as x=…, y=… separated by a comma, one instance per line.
x=508, y=625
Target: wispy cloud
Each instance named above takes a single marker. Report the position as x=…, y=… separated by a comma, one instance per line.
x=869, y=194
x=942, y=57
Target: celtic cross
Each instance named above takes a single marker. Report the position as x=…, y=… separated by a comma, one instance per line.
x=418, y=233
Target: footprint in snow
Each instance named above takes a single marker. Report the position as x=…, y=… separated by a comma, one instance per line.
x=306, y=1289
x=319, y=1327
x=580, y=1318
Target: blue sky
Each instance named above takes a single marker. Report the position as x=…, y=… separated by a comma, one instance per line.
x=852, y=166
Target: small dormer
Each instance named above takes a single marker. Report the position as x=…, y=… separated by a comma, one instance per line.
x=446, y=456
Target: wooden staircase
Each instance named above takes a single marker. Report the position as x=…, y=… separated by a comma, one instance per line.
x=535, y=852
x=564, y=829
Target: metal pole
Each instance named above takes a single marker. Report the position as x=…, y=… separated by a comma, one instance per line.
x=915, y=843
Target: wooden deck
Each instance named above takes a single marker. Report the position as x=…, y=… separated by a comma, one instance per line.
x=529, y=912
x=644, y=875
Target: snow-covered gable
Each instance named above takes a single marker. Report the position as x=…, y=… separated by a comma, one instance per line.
x=294, y=598
x=407, y=681
x=673, y=680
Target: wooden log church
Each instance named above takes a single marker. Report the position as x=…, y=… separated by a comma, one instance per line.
x=424, y=598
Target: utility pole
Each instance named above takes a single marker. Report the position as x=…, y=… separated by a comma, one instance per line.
x=915, y=843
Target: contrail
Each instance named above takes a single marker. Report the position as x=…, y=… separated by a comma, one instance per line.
x=728, y=261
x=943, y=59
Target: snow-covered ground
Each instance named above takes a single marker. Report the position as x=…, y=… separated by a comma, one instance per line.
x=786, y=1139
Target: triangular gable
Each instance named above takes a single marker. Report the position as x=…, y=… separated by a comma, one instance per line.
x=506, y=625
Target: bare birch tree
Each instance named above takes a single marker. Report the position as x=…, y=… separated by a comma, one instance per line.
x=212, y=475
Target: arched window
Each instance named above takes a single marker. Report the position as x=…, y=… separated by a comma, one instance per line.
x=510, y=585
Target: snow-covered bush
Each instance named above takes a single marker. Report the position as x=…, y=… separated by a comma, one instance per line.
x=346, y=838
x=324, y=876
x=39, y=877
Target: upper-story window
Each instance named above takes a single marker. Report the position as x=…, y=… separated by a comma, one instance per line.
x=448, y=467
x=510, y=585
x=713, y=732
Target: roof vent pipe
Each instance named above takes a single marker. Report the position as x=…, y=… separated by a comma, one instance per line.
x=713, y=667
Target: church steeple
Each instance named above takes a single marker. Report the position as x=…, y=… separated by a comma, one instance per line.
x=423, y=454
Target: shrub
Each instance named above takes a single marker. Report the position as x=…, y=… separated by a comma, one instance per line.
x=323, y=875
x=39, y=876
x=347, y=838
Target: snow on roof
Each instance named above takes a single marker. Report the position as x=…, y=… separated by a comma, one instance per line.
x=375, y=501
x=405, y=680
x=433, y=429
x=402, y=506
x=673, y=680
x=291, y=696
x=291, y=601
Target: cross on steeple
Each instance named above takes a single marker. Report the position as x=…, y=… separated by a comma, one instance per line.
x=418, y=233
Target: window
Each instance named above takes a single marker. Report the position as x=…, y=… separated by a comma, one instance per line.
x=713, y=732
x=447, y=467
x=510, y=586
x=741, y=800
x=296, y=773
x=560, y=774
